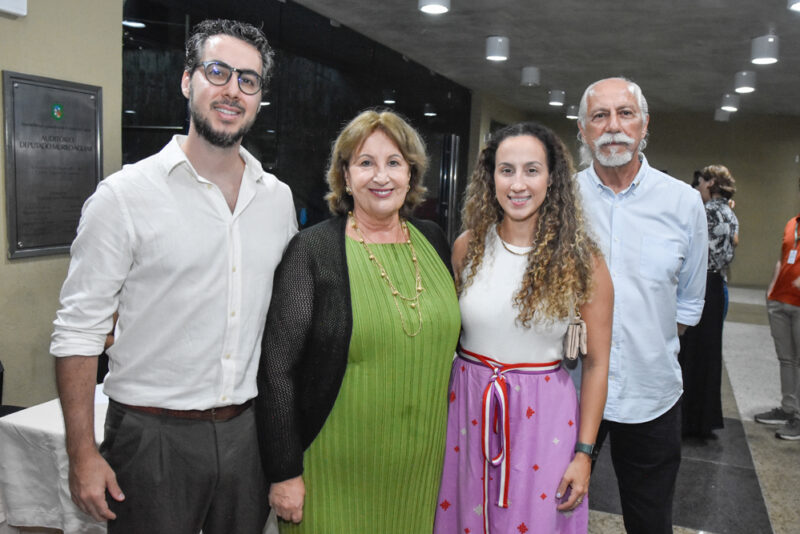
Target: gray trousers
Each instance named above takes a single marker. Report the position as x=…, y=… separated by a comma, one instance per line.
x=784, y=324
x=181, y=476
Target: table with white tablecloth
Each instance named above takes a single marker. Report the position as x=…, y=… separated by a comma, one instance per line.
x=34, y=489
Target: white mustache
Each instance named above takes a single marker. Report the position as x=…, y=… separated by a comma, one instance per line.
x=608, y=138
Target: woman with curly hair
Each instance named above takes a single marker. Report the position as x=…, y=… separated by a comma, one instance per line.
x=518, y=441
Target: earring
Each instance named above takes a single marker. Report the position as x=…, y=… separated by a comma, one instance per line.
x=348, y=190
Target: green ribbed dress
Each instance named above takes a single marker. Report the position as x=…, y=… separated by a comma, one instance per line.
x=376, y=464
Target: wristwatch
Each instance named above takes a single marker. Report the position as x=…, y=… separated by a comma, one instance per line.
x=585, y=448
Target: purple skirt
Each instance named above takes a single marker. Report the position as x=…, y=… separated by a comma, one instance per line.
x=541, y=431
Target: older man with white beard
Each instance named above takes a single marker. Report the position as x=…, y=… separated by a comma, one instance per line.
x=652, y=231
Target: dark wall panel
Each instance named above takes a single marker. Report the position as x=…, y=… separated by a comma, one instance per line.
x=324, y=75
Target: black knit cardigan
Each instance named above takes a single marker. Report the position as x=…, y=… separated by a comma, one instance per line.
x=306, y=341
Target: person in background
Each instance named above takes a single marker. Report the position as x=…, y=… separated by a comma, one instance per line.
x=696, y=179
x=783, y=310
x=183, y=245
x=731, y=204
x=358, y=342
x=524, y=266
x=701, y=346
x=652, y=231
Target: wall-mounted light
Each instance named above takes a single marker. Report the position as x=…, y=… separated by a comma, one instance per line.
x=428, y=110
x=556, y=97
x=133, y=24
x=497, y=47
x=729, y=102
x=265, y=103
x=530, y=76
x=794, y=5
x=745, y=81
x=572, y=111
x=764, y=50
x=434, y=7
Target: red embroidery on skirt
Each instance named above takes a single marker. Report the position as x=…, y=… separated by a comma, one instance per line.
x=536, y=467
x=529, y=412
x=445, y=505
x=452, y=396
x=522, y=528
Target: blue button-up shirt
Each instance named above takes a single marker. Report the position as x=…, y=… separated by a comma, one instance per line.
x=655, y=240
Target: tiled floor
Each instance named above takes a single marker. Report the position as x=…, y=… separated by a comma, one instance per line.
x=746, y=480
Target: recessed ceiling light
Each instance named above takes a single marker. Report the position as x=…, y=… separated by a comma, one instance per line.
x=722, y=115
x=530, y=76
x=745, y=81
x=572, y=111
x=729, y=102
x=556, y=97
x=764, y=50
x=434, y=7
x=497, y=48
x=389, y=96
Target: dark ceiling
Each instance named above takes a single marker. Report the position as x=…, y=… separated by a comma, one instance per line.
x=684, y=53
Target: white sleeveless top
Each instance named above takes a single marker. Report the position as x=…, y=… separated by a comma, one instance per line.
x=489, y=318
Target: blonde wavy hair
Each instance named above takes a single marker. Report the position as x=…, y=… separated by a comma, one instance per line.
x=558, y=277
x=353, y=135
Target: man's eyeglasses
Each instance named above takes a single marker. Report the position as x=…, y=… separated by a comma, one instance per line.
x=219, y=73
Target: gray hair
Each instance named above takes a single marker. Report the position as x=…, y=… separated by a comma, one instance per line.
x=585, y=151
x=633, y=87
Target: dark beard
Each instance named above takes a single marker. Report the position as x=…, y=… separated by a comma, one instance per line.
x=218, y=139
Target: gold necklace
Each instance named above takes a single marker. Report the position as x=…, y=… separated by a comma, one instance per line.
x=412, y=302
x=506, y=246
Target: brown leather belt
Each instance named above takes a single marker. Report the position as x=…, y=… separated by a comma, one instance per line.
x=221, y=413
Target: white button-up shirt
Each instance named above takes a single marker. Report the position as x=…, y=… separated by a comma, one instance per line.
x=655, y=240
x=191, y=281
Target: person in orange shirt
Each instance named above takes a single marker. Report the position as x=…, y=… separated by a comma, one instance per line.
x=783, y=309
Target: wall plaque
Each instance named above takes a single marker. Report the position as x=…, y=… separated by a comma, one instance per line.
x=53, y=160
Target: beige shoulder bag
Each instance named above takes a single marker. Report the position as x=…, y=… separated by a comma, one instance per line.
x=575, y=339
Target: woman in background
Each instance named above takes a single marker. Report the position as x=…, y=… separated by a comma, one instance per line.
x=359, y=339
x=519, y=446
x=701, y=345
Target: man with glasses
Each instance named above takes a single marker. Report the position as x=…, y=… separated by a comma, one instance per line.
x=183, y=245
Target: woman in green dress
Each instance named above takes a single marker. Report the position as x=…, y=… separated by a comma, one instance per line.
x=359, y=339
